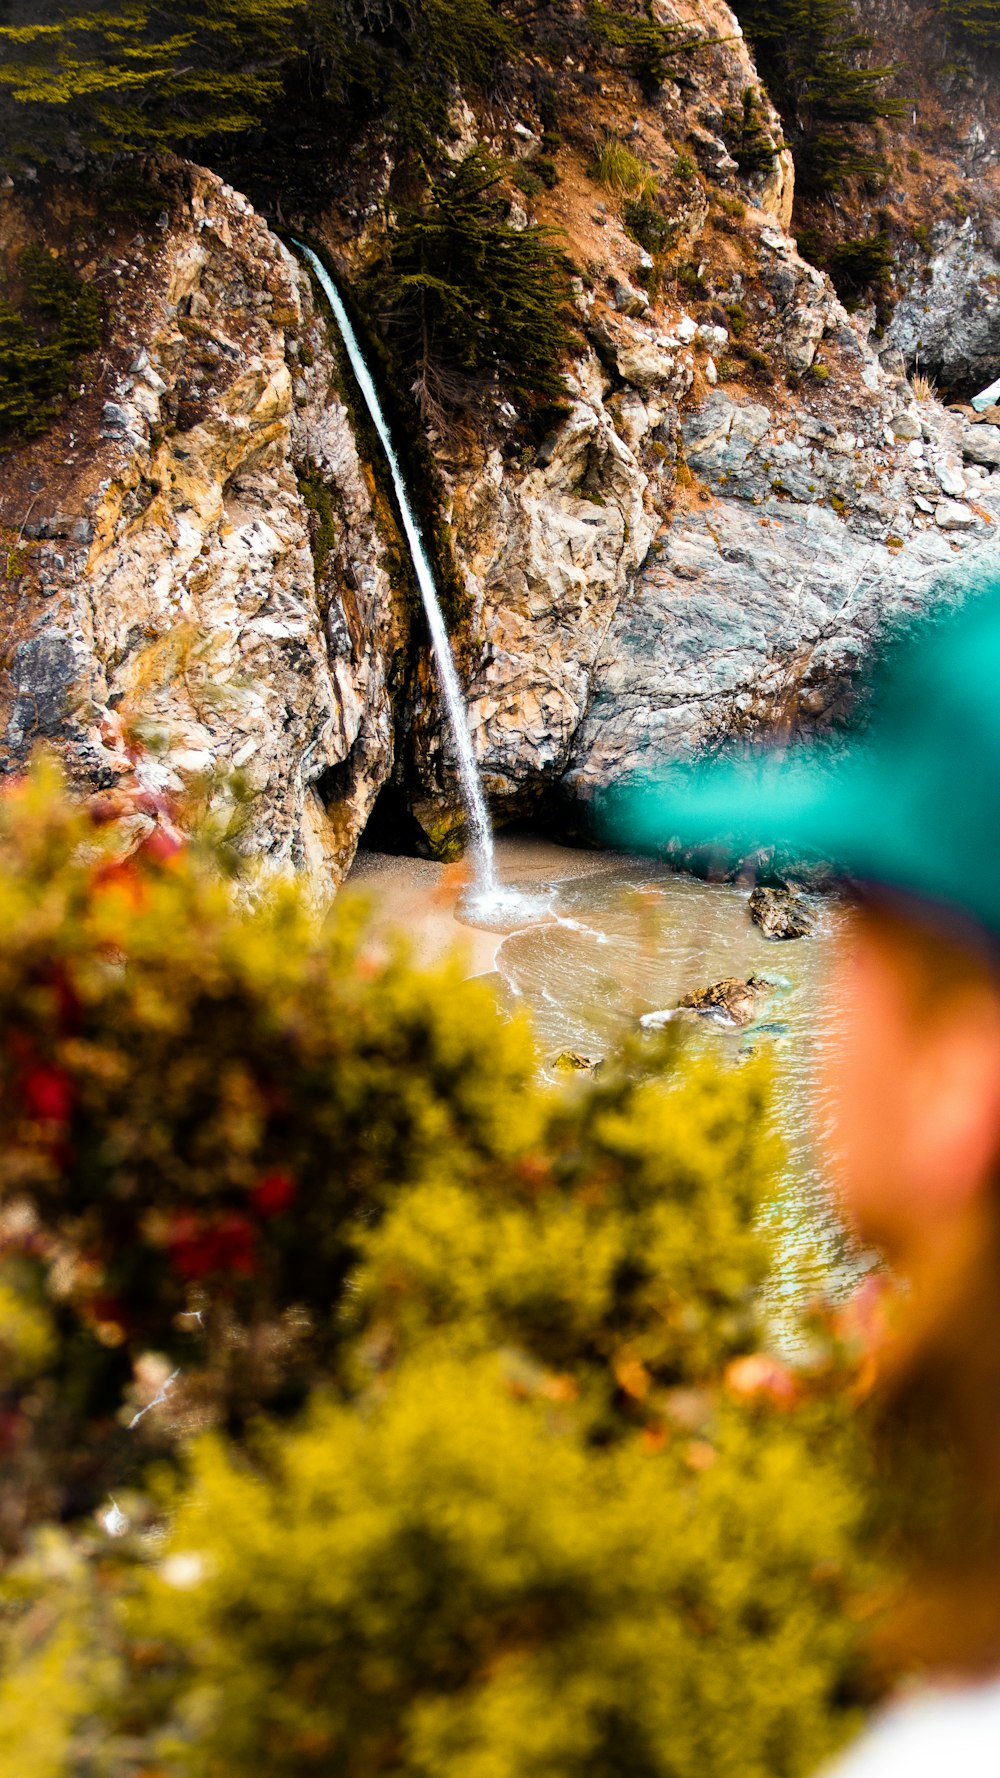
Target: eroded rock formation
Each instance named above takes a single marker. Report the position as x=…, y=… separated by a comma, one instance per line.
x=209, y=568
x=744, y=487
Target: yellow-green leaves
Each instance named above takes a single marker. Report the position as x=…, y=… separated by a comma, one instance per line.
x=136, y=76
x=502, y=1481
x=451, y=1582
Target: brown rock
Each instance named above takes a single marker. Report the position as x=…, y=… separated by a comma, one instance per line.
x=780, y=913
x=731, y=998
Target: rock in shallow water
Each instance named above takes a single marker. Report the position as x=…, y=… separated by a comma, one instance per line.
x=572, y=1061
x=780, y=913
x=731, y=999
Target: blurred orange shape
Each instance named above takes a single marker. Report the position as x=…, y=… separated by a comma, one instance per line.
x=759, y=1375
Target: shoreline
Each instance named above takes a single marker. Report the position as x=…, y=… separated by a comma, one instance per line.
x=419, y=897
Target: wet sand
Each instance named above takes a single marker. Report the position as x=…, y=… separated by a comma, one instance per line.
x=419, y=898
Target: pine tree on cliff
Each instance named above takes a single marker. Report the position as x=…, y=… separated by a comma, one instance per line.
x=978, y=20
x=138, y=75
x=812, y=57
x=472, y=302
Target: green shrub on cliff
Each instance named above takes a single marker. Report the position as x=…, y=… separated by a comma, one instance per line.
x=858, y=265
x=749, y=137
x=404, y=58
x=139, y=75
x=815, y=64
x=648, y=47
x=623, y=173
x=976, y=20
x=503, y=1481
x=471, y=303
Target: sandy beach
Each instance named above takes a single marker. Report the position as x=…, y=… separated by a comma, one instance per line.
x=419, y=897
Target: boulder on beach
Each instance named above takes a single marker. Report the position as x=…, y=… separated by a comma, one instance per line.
x=732, y=999
x=570, y=1061
x=780, y=913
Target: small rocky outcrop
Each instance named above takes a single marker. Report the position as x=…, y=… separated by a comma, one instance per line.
x=732, y=999
x=945, y=319
x=780, y=913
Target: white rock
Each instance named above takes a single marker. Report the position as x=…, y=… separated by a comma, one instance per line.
x=953, y=517
x=981, y=444
x=802, y=335
x=950, y=479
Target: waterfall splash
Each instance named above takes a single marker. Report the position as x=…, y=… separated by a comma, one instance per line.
x=487, y=888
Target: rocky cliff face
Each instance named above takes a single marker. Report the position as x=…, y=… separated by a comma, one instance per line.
x=935, y=200
x=624, y=621
x=199, y=586
x=746, y=488
x=745, y=485
x=945, y=320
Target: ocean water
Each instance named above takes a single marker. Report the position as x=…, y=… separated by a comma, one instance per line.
x=591, y=943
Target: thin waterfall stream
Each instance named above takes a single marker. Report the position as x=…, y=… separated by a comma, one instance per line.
x=592, y=948
x=490, y=902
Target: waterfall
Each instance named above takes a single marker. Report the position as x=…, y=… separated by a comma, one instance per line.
x=472, y=789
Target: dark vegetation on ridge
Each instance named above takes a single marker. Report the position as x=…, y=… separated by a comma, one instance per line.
x=813, y=59
x=818, y=68
x=470, y=301
x=42, y=341
x=974, y=21
x=287, y=97
x=127, y=78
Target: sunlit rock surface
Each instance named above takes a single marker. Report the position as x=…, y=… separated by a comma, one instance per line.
x=178, y=584
x=701, y=551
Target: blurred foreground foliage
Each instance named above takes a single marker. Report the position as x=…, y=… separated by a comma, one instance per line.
x=475, y=1463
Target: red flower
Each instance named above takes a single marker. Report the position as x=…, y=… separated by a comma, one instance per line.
x=47, y=1093
x=162, y=844
x=222, y=1244
x=273, y=1193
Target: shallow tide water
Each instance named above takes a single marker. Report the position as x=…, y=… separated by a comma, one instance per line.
x=591, y=942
